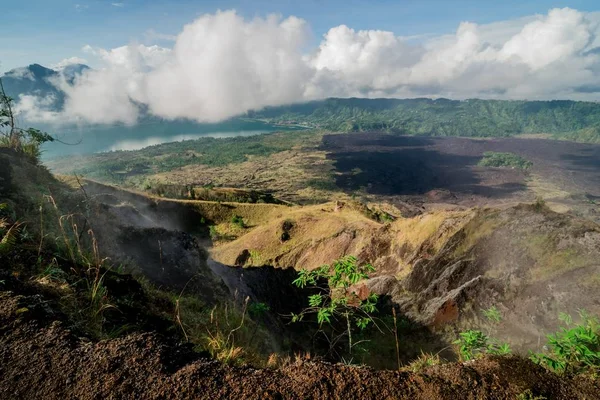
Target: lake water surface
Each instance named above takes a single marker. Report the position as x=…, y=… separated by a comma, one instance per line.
x=94, y=139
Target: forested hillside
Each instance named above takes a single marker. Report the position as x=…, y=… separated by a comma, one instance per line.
x=443, y=117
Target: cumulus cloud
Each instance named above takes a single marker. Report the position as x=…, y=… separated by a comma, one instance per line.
x=222, y=65
x=68, y=61
x=112, y=94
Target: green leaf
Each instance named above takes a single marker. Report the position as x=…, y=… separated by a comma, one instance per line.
x=315, y=300
x=323, y=316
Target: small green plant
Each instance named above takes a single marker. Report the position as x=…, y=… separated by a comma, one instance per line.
x=214, y=234
x=256, y=257
x=575, y=349
x=239, y=221
x=540, y=204
x=385, y=217
x=257, y=310
x=53, y=272
x=473, y=344
x=336, y=301
x=492, y=314
x=528, y=395
x=423, y=361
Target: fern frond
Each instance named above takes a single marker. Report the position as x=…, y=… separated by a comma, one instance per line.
x=10, y=238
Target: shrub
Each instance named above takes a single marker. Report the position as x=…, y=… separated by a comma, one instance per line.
x=507, y=160
x=473, y=344
x=337, y=301
x=575, y=349
x=24, y=140
x=239, y=221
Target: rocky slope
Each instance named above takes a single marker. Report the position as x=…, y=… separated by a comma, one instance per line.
x=439, y=269
x=42, y=359
x=444, y=267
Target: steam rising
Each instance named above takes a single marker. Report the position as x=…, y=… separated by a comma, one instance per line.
x=222, y=65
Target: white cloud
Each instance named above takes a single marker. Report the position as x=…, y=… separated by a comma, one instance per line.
x=538, y=57
x=21, y=73
x=112, y=94
x=68, y=61
x=118, y=4
x=37, y=109
x=222, y=65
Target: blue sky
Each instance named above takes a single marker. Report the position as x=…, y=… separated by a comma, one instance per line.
x=46, y=31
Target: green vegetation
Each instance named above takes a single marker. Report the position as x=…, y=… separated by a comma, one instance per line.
x=528, y=395
x=442, y=117
x=258, y=309
x=238, y=221
x=48, y=245
x=508, y=160
x=492, y=314
x=423, y=361
x=118, y=166
x=575, y=349
x=25, y=140
x=336, y=300
x=474, y=343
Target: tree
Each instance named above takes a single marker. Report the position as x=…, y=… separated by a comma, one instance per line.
x=337, y=302
x=26, y=140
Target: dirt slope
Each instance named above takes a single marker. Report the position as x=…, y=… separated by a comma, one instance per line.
x=444, y=267
x=41, y=359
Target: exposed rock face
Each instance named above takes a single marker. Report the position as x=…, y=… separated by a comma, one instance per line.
x=132, y=229
x=171, y=259
x=530, y=263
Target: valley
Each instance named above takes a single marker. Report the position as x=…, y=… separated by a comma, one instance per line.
x=409, y=173
x=202, y=244
x=300, y=200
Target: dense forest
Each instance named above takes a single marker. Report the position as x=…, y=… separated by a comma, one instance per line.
x=442, y=117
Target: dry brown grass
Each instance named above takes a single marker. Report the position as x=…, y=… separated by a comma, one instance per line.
x=321, y=234
x=317, y=237
x=297, y=175
x=482, y=225
x=416, y=231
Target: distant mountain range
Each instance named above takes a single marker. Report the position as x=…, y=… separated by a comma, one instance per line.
x=563, y=119
x=37, y=80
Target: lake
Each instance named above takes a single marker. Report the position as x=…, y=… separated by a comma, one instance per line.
x=94, y=139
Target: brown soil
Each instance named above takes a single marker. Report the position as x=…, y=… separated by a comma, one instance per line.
x=41, y=359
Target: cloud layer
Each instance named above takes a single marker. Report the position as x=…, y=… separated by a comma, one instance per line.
x=222, y=65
